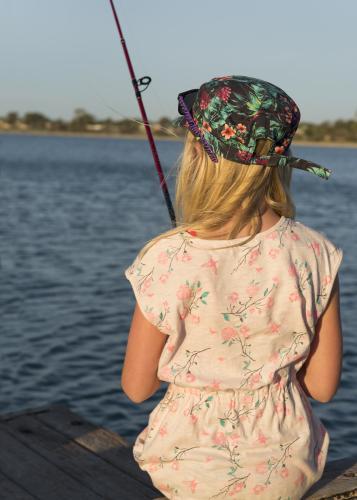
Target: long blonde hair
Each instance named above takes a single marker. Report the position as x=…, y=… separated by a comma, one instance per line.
x=208, y=195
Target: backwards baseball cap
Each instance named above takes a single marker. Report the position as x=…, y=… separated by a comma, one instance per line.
x=230, y=114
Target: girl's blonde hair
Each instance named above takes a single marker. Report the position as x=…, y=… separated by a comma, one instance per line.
x=208, y=195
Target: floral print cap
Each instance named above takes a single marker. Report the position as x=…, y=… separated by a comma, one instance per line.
x=230, y=113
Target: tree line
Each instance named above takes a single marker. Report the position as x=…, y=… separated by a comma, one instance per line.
x=83, y=121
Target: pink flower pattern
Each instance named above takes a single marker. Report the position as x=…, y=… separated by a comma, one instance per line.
x=238, y=329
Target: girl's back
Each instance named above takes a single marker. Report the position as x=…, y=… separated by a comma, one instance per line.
x=240, y=322
x=235, y=326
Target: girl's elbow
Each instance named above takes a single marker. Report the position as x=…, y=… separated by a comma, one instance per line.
x=326, y=393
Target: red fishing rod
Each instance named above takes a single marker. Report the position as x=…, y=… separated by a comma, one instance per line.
x=145, y=82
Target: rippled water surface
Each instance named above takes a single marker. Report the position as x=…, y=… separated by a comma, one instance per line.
x=73, y=214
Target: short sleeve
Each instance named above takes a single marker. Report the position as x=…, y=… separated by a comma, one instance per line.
x=331, y=259
x=151, y=290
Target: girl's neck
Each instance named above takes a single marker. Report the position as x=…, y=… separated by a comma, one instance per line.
x=269, y=218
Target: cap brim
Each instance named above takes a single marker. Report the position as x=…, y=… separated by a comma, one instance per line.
x=276, y=160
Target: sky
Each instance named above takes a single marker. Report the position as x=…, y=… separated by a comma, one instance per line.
x=60, y=55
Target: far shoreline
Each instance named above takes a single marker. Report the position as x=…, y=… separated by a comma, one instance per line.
x=322, y=144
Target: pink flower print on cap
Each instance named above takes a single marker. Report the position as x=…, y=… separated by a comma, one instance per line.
x=224, y=93
x=204, y=101
x=205, y=126
x=228, y=132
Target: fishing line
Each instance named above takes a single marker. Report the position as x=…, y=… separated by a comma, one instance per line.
x=95, y=94
x=104, y=103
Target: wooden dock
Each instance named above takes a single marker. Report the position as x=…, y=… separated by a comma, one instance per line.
x=53, y=454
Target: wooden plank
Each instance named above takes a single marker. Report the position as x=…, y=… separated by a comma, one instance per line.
x=36, y=475
x=106, y=444
x=76, y=461
x=338, y=481
x=11, y=490
x=28, y=411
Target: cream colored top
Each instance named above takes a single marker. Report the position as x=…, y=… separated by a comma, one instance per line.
x=235, y=422
x=254, y=305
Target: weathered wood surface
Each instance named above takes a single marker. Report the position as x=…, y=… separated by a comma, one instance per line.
x=339, y=481
x=51, y=453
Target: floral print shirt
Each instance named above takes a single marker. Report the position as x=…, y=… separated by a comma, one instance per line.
x=239, y=321
x=250, y=309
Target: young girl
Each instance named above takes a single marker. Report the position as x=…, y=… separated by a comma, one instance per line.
x=237, y=309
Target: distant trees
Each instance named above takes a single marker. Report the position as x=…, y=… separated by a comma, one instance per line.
x=83, y=121
x=128, y=126
x=338, y=131
x=36, y=121
x=12, y=117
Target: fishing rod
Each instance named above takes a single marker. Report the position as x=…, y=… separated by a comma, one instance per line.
x=143, y=83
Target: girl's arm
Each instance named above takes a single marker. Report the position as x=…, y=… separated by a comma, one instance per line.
x=320, y=374
x=144, y=347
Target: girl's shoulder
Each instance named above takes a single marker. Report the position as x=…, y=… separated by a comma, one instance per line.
x=312, y=236
x=316, y=245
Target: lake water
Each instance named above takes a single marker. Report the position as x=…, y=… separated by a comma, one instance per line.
x=74, y=212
